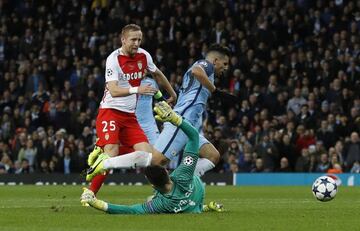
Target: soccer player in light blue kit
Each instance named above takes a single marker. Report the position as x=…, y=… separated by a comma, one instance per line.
x=144, y=115
x=197, y=86
x=144, y=112
x=179, y=192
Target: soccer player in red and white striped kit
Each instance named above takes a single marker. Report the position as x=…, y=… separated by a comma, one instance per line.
x=117, y=128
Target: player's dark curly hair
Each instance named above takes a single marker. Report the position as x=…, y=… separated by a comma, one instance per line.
x=219, y=49
x=157, y=175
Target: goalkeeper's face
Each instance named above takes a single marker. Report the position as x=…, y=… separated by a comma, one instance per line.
x=131, y=41
x=221, y=64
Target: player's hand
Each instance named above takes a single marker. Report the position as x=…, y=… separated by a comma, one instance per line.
x=147, y=90
x=164, y=113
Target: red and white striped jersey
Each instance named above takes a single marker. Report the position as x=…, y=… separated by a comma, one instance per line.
x=128, y=71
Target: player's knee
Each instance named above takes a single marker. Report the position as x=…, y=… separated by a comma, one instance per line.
x=111, y=149
x=214, y=156
x=209, y=152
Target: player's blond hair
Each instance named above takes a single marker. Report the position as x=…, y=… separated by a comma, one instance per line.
x=130, y=27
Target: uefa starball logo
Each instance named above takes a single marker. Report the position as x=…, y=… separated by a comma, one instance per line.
x=188, y=161
x=109, y=72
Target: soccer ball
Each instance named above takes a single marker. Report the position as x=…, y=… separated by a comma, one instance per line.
x=324, y=188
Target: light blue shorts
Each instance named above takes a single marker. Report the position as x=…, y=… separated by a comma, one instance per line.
x=172, y=141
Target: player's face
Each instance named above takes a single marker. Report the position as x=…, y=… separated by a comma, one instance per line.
x=221, y=65
x=131, y=42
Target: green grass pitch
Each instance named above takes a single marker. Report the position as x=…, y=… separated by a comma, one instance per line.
x=248, y=208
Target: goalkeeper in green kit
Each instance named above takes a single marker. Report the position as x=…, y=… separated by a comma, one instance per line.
x=179, y=192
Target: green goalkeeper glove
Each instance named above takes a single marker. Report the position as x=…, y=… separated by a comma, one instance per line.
x=166, y=114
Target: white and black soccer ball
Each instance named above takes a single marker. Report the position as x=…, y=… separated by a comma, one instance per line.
x=324, y=188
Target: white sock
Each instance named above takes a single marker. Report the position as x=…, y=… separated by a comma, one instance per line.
x=203, y=165
x=130, y=160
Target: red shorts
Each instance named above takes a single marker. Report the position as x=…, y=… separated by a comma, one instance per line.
x=125, y=150
x=117, y=127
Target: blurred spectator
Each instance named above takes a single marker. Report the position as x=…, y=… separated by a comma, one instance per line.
x=44, y=168
x=2, y=169
x=59, y=143
x=284, y=165
x=303, y=163
x=269, y=154
x=336, y=169
x=296, y=102
x=28, y=153
x=259, y=166
x=22, y=166
x=7, y=163
x=355, y=168
x=324, y=163
x=68, y=164
x=352, y=150
x=287, y=150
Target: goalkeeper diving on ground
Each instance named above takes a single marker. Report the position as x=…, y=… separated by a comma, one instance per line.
x=179, y=192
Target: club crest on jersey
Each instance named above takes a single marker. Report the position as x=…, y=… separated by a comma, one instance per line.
x=107, y=136
x=204, y=63
x=139, y=63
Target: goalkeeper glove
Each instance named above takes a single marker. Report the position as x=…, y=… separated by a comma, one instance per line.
x=164, y=113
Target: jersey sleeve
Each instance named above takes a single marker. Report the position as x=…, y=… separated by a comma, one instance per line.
x=185, y=171
x=150, y=63
x=206, y=66
x=154, y=206
x=112, y=71
x=125, y=209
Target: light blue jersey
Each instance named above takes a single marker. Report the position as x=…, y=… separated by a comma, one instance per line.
x=144, y=112
x=193, y=96
x=191, y=105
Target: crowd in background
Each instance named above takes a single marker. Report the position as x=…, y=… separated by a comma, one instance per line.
x=294, y=70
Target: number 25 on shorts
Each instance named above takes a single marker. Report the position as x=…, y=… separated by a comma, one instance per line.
x=108, y=125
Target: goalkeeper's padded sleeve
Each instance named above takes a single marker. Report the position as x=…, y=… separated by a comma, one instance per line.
x=124, y=209
x=193, y=135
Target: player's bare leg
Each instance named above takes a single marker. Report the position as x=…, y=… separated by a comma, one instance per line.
x=157, y=157
x=111, y=149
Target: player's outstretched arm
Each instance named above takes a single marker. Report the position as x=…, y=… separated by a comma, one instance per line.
x=89, y=197
x=164, y=83
x=117, y=91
